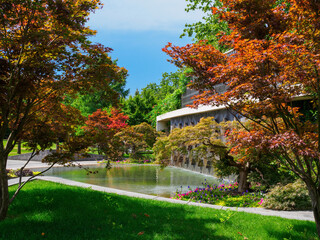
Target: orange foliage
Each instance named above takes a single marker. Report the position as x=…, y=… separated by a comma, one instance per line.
x=275, y=59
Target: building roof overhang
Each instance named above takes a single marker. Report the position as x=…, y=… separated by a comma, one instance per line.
x=187, y=111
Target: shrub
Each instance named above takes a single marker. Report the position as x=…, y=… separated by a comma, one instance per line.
x=293, y=196
x=142, y=157
x=24, y=173
x=11, y=173
x=17, y=173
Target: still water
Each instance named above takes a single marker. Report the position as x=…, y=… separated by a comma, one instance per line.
x=147, y=179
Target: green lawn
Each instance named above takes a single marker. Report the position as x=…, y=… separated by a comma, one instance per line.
x=15, y=150
x=23, y=149
x=45, y=210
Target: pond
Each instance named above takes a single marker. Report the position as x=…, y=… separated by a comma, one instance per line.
x=147, y=179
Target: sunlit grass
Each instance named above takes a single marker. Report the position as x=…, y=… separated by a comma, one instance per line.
x=23, y=149
x=55, y=211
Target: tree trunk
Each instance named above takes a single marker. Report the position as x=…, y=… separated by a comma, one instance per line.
x=243, y=184
x=4, y=194
x=19, y=148
x=57, y=145
x=316, y=214
x=315, y=202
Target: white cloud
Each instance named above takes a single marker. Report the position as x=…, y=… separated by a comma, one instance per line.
x=167, y=15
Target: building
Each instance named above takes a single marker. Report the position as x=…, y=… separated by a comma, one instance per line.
x=186, y=116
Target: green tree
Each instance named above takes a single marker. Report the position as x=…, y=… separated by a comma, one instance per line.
x=171, y=87
x=156, y=99
x=137, y=107
x=149, y=133
x=204, y=140
x=90, y=102
x=131, y=142
x=210, y=27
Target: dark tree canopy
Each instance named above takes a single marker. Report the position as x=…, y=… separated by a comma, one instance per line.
x=45, y=54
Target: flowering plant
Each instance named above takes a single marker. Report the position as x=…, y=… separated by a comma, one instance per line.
x=223, y=194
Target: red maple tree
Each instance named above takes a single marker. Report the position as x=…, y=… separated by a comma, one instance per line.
x=275, y=61
x=101, y=128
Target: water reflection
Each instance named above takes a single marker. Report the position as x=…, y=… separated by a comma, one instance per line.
x=148, y=179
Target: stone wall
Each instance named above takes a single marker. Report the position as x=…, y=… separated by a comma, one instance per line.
x=200, y=165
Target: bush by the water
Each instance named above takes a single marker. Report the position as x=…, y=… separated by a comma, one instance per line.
x=223, y=195
x=293, y=196
x=17, y=173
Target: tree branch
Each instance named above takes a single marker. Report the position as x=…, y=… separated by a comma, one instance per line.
x=28, y=180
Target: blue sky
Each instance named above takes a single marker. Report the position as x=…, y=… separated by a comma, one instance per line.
x=137, y=30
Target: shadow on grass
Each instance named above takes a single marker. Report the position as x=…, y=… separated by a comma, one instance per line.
x=74, y=213
x=53, y=211
x=300, y=230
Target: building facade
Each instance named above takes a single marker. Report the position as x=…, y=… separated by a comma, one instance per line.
x=186, y=116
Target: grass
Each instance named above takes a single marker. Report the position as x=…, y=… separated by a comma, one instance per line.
x=15, y=149
x=23, y=149
x=45, y=210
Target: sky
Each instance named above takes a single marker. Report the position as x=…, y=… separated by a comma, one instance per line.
x=137, y=30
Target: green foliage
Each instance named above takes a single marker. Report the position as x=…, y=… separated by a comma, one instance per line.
x=161, y=150
x=18, y=172
x=224, y=216
x=204, y=141
x=90, y=102
x=138, y=106
x=142, y=158
x=210, y=26
x=156, y=99
x=149, y=133
x=24, y=149
x=11, y=173
x=168, y=104
x=269, y=173
x=204, y=137
x=131, y=142
x=293, y=196
x=87, y=103
x=135, y=140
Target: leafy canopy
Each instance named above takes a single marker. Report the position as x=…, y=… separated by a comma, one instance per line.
x=210, y=27
x=101, y=128
x=275, y=60
x=44, y=55
x=156, y=99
